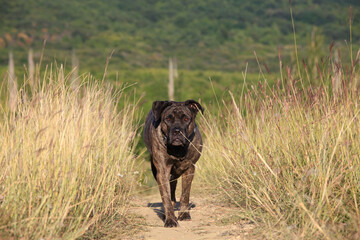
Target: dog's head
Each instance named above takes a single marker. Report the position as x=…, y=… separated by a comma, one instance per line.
x=176, y=120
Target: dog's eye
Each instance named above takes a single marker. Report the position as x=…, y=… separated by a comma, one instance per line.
x=168, y=118
x=186, y=119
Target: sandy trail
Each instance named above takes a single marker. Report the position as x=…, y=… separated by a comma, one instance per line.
x=209, y=220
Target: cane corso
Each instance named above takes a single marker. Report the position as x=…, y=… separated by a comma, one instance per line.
x=174, y=143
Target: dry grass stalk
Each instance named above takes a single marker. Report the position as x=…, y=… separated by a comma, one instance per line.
x=31, y=68
x=75, y=66
x=290, y=160
x=12, y=84
x=65, y=163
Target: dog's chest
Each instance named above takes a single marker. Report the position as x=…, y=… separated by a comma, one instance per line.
x=179, y=167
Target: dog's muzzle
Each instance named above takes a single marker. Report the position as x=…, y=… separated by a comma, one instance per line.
x=177, y=137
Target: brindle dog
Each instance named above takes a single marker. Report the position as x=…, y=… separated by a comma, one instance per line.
x=174, y=143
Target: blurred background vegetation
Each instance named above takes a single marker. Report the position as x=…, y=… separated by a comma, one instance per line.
x=214, y=39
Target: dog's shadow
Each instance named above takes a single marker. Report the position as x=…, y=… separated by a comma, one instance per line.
x=158, y=208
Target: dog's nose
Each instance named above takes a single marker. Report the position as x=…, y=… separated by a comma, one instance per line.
x=177, y=131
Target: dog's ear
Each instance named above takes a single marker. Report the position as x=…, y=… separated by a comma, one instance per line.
x=194, y=106
x=158, y=107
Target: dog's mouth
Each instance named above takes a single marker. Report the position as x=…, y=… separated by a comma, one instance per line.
x=177, y=144
x=177, y=148
x=178, y=141
x=177, y=138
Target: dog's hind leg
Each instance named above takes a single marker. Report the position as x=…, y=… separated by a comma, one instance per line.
x=153, y=168
x=173, y=182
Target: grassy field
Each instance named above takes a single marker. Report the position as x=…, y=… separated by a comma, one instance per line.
x=151, y=84
x=283, y=149
x=66, y=162
x=288, y=157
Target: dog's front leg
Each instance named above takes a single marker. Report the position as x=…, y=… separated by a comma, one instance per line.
x=163, y=177
x=187, y=178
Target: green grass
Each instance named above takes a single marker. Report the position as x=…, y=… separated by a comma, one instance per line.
x=202, y=34
x=66, y=160
x=150, y=84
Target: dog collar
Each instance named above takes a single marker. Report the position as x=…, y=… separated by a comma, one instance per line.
x=191, y=137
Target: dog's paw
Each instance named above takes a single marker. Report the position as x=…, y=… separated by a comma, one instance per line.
x=170, y=222
x=173, y=204
x=184, y=216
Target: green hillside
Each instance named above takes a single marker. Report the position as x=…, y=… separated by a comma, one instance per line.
x=213, y=34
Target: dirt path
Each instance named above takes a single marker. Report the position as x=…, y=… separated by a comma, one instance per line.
x=209, y=221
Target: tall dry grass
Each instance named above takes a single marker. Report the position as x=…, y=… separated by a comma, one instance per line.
x=289, y=157
x=65, y=160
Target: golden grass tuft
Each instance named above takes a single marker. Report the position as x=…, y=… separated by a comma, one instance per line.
x=66, y=159
x=289, y=159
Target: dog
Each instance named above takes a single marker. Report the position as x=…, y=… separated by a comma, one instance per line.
x=174, y=142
